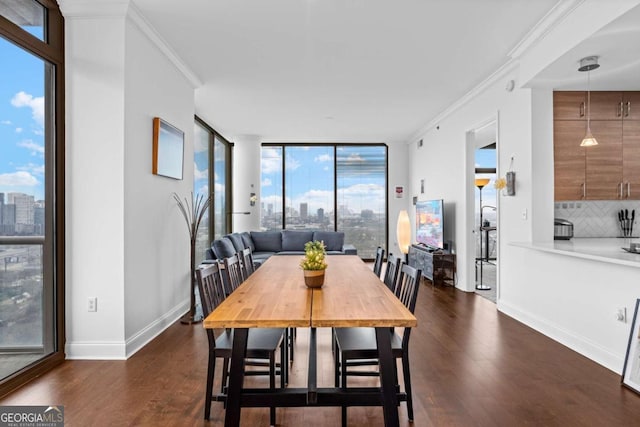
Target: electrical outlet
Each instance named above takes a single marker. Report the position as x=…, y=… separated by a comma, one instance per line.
x=621, y=315
x=92, y=304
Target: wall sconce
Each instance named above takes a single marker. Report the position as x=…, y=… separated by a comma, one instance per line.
x=403, y=232
x=253, y=199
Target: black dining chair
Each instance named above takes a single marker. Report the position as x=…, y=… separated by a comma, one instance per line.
x=232, y=273
x=377, y=265
x=262, y=343
x=247, y=262
x=358, y=346
x=391, y=273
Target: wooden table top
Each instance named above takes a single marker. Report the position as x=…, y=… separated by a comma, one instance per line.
x=275, y=296
x=353, y=296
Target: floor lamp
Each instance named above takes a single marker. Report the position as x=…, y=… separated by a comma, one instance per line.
x=480, y=183
x=403, y=233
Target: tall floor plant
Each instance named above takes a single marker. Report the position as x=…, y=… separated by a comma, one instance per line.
x=193, y=211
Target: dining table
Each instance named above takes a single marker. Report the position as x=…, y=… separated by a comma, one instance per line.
x=275, y=296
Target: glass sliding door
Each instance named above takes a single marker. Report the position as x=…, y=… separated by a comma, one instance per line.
x=361, y=173
x=31, y=191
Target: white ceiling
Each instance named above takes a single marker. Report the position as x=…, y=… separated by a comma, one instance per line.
x=618, y=47
x=338, y=70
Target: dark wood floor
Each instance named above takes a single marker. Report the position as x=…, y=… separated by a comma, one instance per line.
x=471, y=366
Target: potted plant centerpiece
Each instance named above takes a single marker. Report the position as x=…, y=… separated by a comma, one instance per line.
x=314, y=263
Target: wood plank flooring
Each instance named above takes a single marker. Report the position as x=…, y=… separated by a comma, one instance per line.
x=471, y=366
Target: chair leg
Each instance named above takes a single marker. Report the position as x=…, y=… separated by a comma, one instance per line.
x=284, y=365
x=407, y=384
x=343, y=376
x=225, y=375
x=272, y=386
x=211, y=369
x=291, y=333
x=336, y=368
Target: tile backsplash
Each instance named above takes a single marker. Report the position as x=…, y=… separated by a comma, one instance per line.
x=597, y=218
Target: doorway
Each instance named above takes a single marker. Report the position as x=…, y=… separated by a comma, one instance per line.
x=484, y=210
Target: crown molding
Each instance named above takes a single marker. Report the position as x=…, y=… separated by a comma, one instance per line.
x=508, y=67
x=143, y=24
x=94, y=8
x=550, y=21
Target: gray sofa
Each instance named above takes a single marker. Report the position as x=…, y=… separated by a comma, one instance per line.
x=264, y=244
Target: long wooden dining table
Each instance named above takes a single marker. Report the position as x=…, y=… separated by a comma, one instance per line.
x=275, y=296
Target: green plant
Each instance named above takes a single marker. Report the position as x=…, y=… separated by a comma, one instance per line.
x=314, y=253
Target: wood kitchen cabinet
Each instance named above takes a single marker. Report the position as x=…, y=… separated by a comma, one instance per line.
x=608, y=171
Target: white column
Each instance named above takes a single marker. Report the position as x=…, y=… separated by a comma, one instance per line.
x=246, y=180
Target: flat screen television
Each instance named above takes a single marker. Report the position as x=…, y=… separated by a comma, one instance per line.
x=430, y=223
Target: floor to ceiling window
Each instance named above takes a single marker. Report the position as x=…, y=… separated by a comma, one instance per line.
x=31, y=190
x=339, y=187
x=211, y=176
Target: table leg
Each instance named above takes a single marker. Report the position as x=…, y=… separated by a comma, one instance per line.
x=312, y=383
x=236, y=377
x=387, y=378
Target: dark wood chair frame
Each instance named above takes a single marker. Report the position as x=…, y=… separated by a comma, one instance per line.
x=262, y=342
x=357, y=346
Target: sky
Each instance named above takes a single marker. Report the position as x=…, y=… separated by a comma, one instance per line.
x=21, y=121
x=309, y=177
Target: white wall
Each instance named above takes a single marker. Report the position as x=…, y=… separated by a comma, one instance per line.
x=126, y=243
x=569, y=299
x=156, y=238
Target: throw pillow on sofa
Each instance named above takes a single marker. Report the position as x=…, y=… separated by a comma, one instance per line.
x=294, y=240
x=333, y=240
x=237, y=241
x=223, y=248
x=267, y=241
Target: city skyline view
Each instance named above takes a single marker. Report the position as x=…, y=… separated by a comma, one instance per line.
x=22, y=109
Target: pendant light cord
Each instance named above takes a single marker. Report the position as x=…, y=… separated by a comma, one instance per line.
x=588, y=100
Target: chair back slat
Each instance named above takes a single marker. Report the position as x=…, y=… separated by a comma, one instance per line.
x=377, y=265
x=408, y=285
x=210, y=287
x=212, y=293
x=233, y=273
x=247, y=262
x=391, y=273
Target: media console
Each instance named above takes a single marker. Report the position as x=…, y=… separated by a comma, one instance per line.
x=436, y=265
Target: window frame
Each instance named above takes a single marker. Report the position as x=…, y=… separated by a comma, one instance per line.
x=50, y=50
x=228, y=158
x=335, y=146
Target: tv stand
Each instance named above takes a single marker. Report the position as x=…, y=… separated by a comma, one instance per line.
x=437, y=265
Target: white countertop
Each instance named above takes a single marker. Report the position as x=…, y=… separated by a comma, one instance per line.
x=598, y=249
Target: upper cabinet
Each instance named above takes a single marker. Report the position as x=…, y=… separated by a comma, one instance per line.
x=610, y=170
x=572, y=105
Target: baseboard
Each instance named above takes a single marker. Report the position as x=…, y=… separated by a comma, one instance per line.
x=575, y=342
x=144, y=336
x=122, y=350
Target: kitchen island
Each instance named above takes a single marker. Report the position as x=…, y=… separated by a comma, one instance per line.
x=602, y=249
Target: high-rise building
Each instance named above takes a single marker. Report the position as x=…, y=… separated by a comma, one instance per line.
x=24, y=207
x=304, y=210
x=320, y=214
x=1, y=207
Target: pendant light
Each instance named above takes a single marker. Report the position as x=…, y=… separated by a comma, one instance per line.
x=587, y=64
